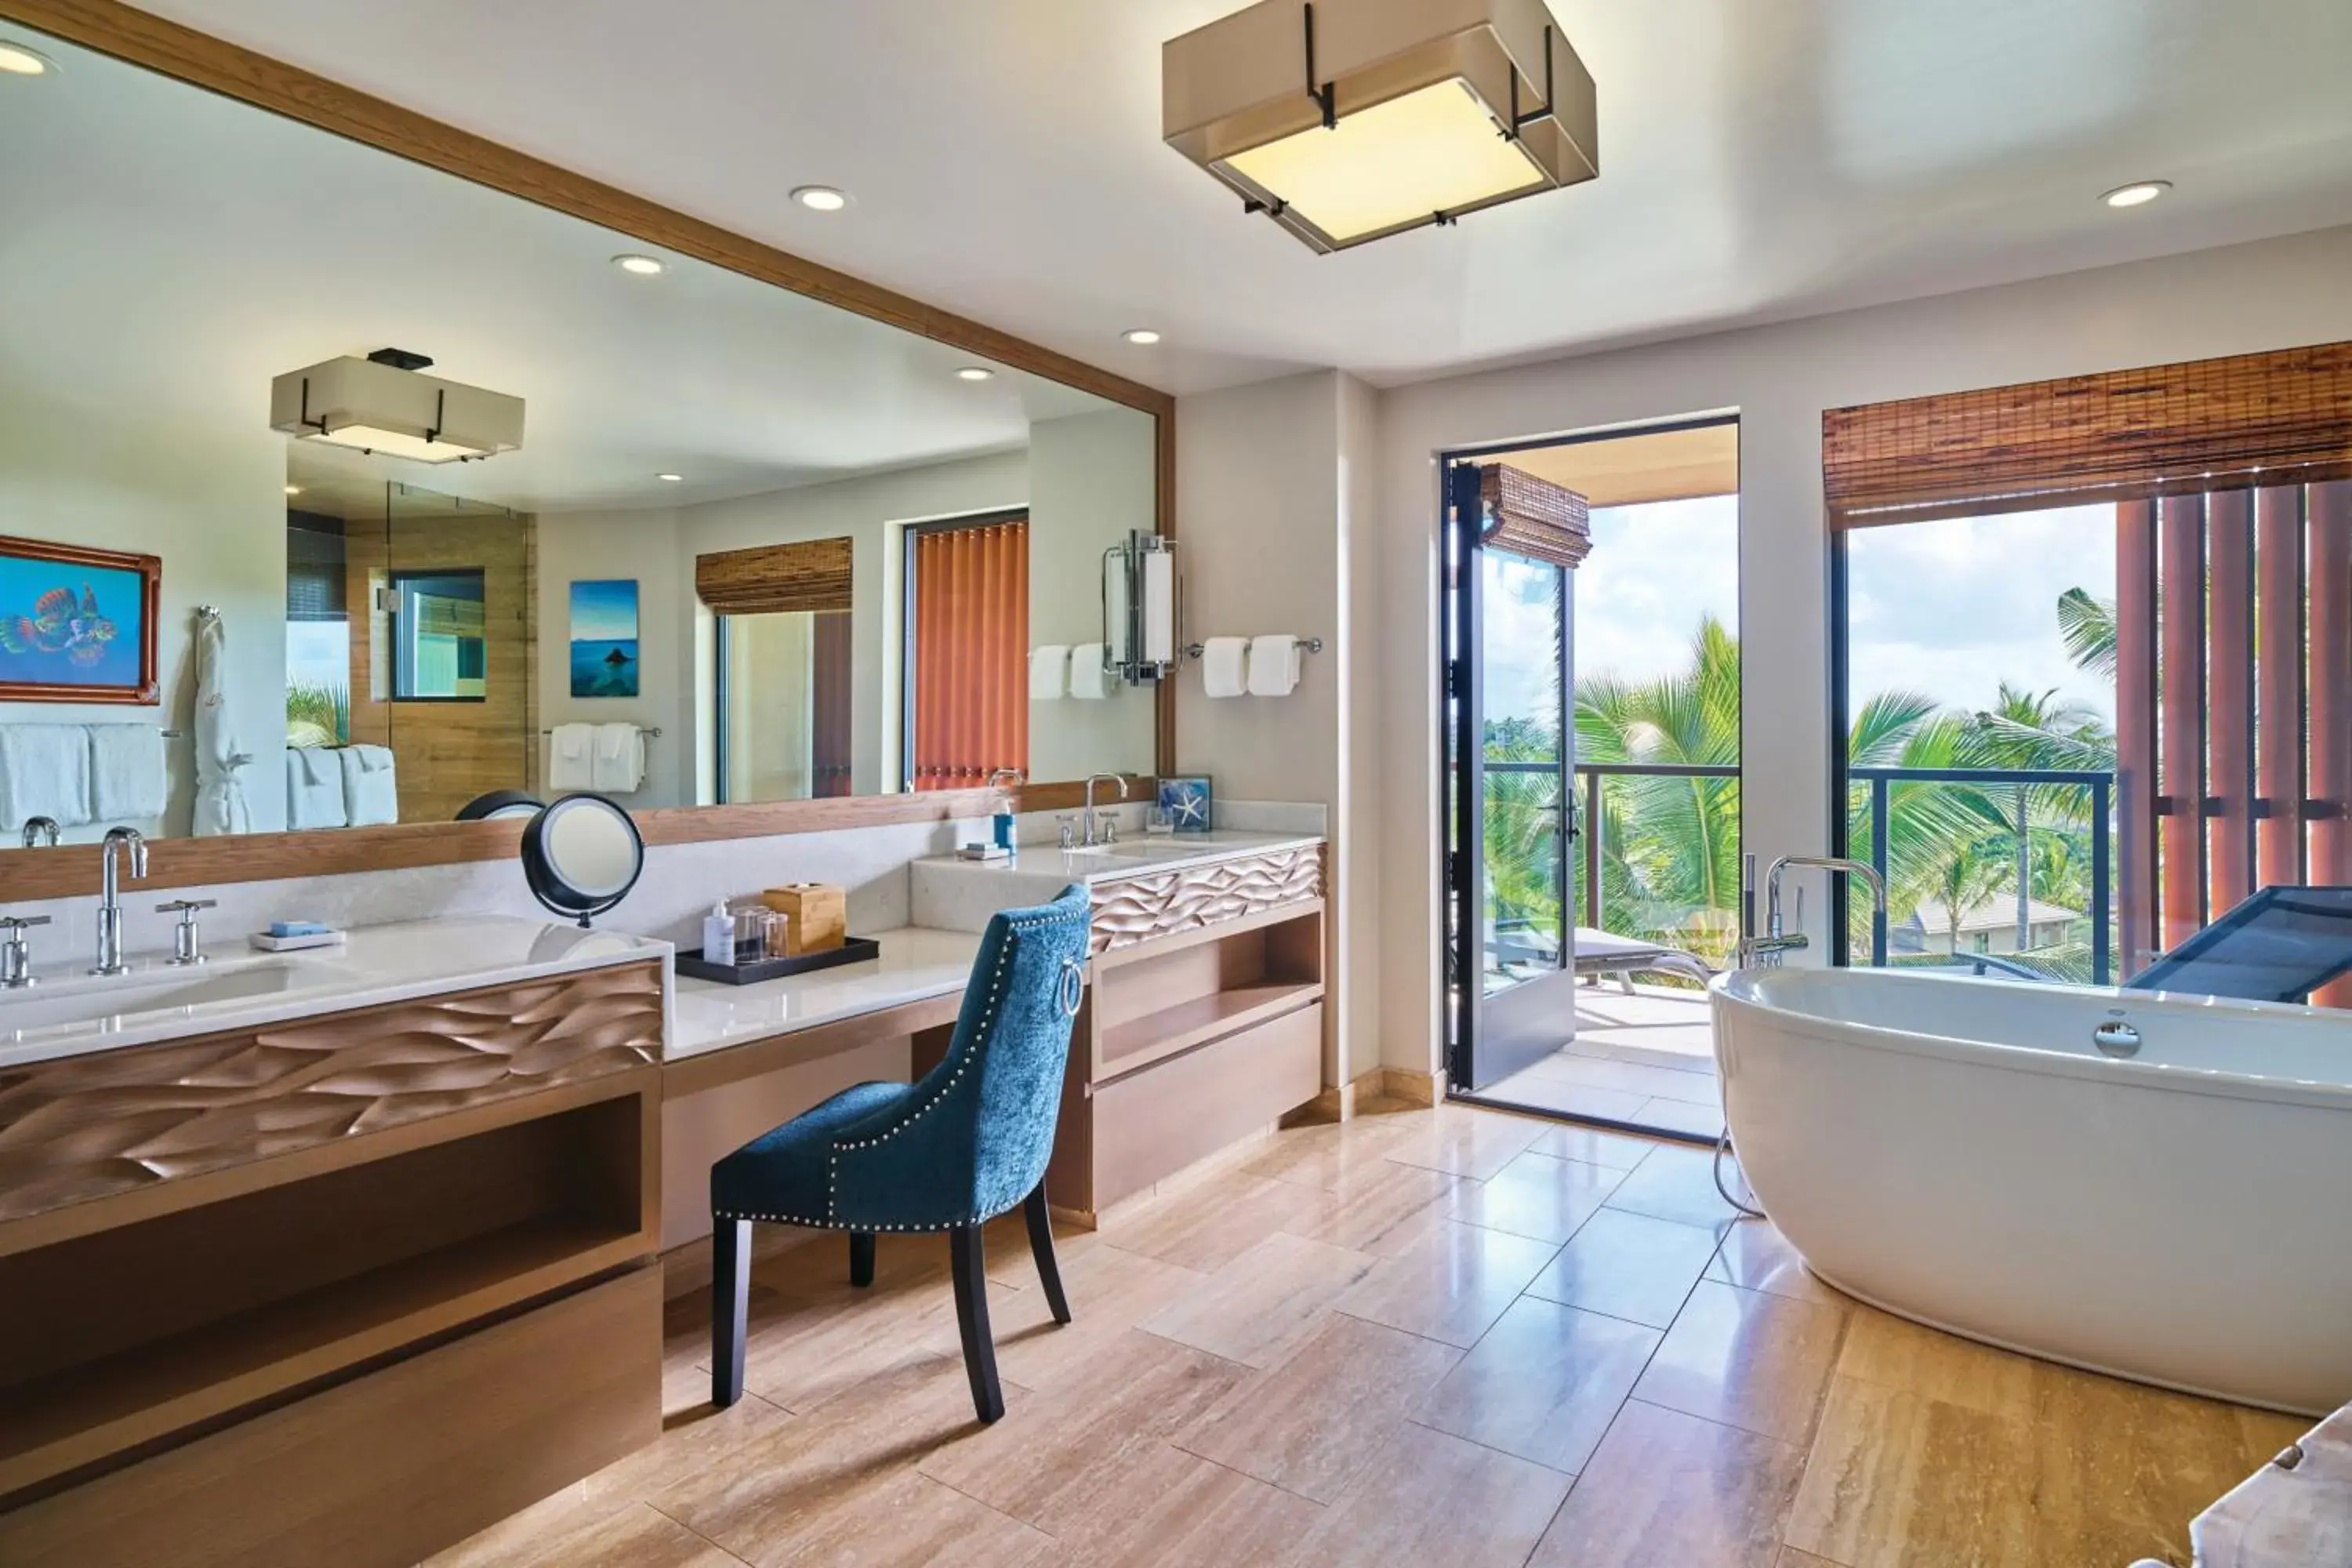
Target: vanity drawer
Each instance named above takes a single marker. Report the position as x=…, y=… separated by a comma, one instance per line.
x=1152, y=1124
x=387, y=1468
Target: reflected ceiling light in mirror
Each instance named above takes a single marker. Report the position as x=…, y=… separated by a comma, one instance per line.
x=293, y=490
x=1141, y=337
x=671, y=478
x=975, y=372
x=16, y=59
x=380, y=403
x=2138, y=194
x=639, y=265
x=1347, y=121
x=821, y=198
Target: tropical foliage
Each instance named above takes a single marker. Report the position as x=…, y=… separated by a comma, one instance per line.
x=1670, y=843
x=318, y=715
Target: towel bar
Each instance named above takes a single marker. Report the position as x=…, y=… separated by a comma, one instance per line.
x=1306, y=644
x=652, y=734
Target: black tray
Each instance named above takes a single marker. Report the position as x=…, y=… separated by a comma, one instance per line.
x=853, y=949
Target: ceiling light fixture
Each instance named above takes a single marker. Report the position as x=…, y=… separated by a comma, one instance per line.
x=380, y=403
x=2137, y=194
x=643, y=266
x=16, y=59
x=1141, y=337
x=976, y=373
x=1346, y=121
x=293, y=490
x=671, y=478
x=821, y=198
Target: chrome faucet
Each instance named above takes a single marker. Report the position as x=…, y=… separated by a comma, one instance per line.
x=1090, y=839
x=1776, y=941
x=40, y=830
x=109, y=895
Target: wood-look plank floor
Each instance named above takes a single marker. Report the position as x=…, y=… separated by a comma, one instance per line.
x=1427, y=1336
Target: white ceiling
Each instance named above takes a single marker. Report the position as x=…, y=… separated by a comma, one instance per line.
x=165, y=253
x=1760, y=159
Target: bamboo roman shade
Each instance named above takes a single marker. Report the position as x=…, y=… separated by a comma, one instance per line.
x=773, y=579
x=2132, y=435
x=1532, y=517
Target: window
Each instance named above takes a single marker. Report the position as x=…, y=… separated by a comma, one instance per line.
x=438, y=636
x=966, y=698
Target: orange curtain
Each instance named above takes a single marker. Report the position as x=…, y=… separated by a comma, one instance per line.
x=830, y=722
x=971, y=650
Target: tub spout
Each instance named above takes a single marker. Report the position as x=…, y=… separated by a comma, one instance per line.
x=1768, y=947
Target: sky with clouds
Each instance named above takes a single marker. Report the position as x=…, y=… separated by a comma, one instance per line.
x=1948, y=608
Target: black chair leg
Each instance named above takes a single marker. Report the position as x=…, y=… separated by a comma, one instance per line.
x=861, y=1258
x=731, y=1298
x=970, y=1267
x=1040, y=1246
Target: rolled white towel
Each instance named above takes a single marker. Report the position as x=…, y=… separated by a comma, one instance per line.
x=1049, y=672
x=371, y=786
x=126, y=773
x=1089, y=682
x=1225, y=666
x=314, y=788
x=619, y=764
x=44, y=772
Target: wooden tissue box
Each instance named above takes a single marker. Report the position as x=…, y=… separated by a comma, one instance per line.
x=820, y=915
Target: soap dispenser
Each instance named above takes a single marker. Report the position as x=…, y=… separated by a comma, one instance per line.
x=1004, y=830
x=719, y=934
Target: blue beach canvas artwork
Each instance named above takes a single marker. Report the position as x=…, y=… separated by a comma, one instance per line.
x=604, y=638
x=67, y=624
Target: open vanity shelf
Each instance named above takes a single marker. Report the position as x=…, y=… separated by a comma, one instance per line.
x=1167, y=996
x=244, y=1297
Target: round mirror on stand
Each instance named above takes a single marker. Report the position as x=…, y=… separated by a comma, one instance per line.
x=582, y=856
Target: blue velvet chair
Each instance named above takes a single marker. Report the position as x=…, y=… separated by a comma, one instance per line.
x=969, y=1142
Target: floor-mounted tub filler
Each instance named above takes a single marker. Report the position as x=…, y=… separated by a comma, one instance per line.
x=2152, y=1185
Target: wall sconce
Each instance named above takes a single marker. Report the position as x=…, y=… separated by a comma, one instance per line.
x=1142, y=599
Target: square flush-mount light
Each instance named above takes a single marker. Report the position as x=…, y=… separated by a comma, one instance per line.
x=381, y=405
x=1346, y=121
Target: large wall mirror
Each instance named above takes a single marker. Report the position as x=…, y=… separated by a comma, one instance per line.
x=669, y=531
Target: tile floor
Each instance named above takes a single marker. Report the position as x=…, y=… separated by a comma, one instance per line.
x=1448, y=1336
x=1647, y=1058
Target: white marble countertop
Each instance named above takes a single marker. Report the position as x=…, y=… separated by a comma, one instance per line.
x=70, y=1013
x=915, y=963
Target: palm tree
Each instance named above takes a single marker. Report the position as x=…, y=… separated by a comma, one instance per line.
x=2088, y=627
x=2029, y=731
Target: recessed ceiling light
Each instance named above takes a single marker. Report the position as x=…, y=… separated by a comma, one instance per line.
x=976, y=373
x=821, y=198
x=293, y=490
x=16, y=59
x=2137, y=194
x=671, y=478
x=643, y=266
x=1141, y=337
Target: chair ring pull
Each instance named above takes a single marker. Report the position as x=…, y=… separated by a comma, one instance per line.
x=1071, y=989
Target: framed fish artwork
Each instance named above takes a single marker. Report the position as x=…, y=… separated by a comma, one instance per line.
x=76, y=624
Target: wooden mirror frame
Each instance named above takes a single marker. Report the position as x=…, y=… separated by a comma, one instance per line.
x=199, y=59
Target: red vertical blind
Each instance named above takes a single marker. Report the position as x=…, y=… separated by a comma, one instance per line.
x=2229, y=698
x=831, y=661
x=2135, y=791
x=970, y=653
x=2329, y=714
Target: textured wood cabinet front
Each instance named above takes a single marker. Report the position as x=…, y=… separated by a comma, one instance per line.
x=90, y=1126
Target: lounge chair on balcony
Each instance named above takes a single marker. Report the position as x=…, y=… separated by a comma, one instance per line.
x=1599, y=954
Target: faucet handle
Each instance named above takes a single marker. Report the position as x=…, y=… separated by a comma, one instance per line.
x=1068, y=825
x=184, y=951
x=185, y=907
x=16, y=952
x=15, y=925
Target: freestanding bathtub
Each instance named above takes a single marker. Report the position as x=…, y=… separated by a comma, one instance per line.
x=1961, y=1153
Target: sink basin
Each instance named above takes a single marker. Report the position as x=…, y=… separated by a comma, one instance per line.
x=92, y=998
x=1147, y=849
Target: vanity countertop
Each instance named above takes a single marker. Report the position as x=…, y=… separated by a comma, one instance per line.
x=917, y=963
x=69, y=1013
x=954, y=893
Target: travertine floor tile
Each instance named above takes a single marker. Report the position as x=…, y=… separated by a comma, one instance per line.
x=1264, y=1304
x=1463, y=1141
x=1451, y=1284
x=1670, y=1490
x=1677, y=1183
x=1594, y=1146
x=1110, y=1290
x=1310, y=1424
x=1746, y=1359
x=1210, y=1223
x=1167, y=1508
x=1427, y=1498
x=635, y=1537
x=1544, y=1383
x=1757, y=1256
x=1535, y=1196
x=1382, y=1208
x=1628, y=1266
x=1884, y=1349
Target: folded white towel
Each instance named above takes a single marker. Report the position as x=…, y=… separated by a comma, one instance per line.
x=126, y=773
x=1225, y=666
x=314, y=789
x=44, y=772
x=571, y=757
x=619, y=764
x=1049, y=672
x=1273, y=665
x=371, y=786
x=1088, y=680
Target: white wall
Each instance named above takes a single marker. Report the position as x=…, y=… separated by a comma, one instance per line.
x=2238, y=300
x=1092, y=478
x=643, y=545
x=211, y=501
